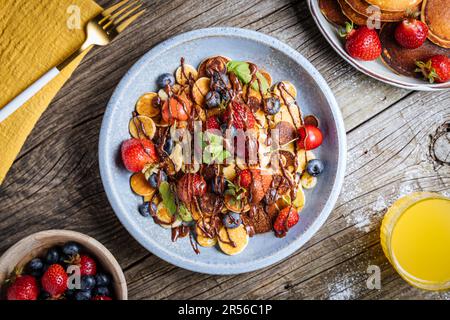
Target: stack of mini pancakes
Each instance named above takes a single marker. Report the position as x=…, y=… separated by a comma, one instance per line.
x=434, y=13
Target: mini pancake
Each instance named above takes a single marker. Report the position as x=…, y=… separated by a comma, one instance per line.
x=394, y=5
x=401, y=60
x=363, y=8
x=140, y=185
x=354, y=16
x=332, y=12
x=436, y=14
x=202, y=66
x=237, y=236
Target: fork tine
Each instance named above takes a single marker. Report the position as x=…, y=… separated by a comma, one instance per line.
x=119, y=16
x=129, y=21
x=110, y=10
x=126, y=15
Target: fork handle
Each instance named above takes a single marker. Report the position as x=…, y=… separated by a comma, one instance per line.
x=26, y=95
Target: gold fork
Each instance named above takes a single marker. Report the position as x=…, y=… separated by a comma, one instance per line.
x=100, y=31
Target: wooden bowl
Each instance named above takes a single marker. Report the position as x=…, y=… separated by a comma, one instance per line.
x=37, y=244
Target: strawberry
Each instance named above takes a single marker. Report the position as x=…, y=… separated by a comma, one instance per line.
x=245, y=178
x=136, y=153
x=189, y=186
x=176, y=108
x=287, y=218
x=437, y=69
x=212, y=123
x=411, y=33
x=240, y=116
x=362, y=43
x=54, y=280
x=23, y=288
x=88, y=267
x=101, y=298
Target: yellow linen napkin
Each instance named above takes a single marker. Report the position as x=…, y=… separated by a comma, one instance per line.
x=35, y=35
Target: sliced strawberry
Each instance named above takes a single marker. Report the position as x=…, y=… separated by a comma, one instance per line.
x=23, y=288
x=212, y=123
x=189, y=186
x=245, y=178
x=287, y=218
x=136, y=153
x=240, y=116
x=54, y=280
x=176, y=108
x=437, y=69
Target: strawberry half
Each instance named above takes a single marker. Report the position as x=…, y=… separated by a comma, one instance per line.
x=362, y=43
x=245, y=178
x=189, y=186
x=240, y=116
x=411, y=33
x=212, y=123
x=54, y=280
x=287, y=218
x=23, y=288
x=437, y=69
x=137, y=153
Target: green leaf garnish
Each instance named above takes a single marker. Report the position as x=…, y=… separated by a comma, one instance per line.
x=214, y=151
x=168, y=197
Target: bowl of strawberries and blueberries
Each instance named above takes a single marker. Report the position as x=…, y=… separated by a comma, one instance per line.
x=60, y=269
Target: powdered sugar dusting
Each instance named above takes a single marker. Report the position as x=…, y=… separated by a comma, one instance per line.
x=341, y=288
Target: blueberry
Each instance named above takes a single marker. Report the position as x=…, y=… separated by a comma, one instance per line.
x=43, y=295
x=224, y=95
x=102, y=279
x=213, y=99
x=272, y=105
x=71, y=248
x=83, y=295
x=232, y=220
x=35, y=265
x=156, y=178
x=87, y=282
x=52, y=256
x=165, y=79
x=314, y=167
x=101, y=291
x=144, y=209
x=168, y=145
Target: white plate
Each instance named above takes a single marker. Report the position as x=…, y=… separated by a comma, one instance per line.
x=375, y=69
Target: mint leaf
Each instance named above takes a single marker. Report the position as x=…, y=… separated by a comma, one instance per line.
x=168, y=197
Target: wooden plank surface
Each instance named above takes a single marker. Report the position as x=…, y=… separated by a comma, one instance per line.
x=55, y=183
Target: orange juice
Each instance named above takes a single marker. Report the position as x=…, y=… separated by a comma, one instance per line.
x=415, y=237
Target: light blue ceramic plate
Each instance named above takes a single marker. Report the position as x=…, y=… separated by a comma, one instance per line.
x=284, y=63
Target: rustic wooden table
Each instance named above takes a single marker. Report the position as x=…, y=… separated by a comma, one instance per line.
x=55, y=182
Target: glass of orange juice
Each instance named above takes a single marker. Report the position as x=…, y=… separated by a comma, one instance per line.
x=415, y=236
